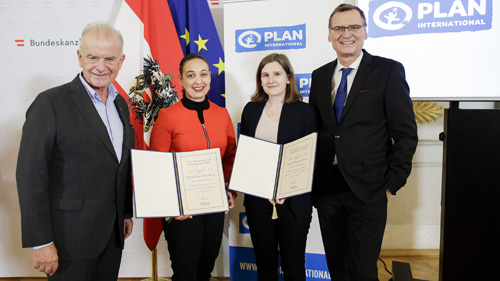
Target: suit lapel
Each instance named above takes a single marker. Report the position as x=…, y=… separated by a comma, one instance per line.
x=87, y=109
x=362, y=74
x=256, y=117
x=281, y=125
x=124, y=117
x=326, y=99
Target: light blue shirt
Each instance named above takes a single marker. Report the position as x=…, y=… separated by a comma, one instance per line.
x=109, y=115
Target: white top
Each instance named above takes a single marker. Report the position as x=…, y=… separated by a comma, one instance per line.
x=267, y=129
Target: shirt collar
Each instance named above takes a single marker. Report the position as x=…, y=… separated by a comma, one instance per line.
x=112, y=92
x=354, y=65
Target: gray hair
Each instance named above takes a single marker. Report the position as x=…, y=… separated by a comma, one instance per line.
x=102, y=28
x=346, y=7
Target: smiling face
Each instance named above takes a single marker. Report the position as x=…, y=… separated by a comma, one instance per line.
x=195, y=79
x=100, y=58
x=274, y=80
x=347, y=44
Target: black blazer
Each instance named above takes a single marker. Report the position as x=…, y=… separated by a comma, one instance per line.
x=297, y=120
x=377, y=135
x=71, y=187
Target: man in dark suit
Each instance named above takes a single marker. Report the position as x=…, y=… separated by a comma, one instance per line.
x=364, y=155
x=73, y=170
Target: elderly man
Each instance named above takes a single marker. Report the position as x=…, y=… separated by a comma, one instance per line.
x=73, y=171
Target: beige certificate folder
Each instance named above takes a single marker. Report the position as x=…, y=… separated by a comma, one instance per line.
x=170, y=184
x=271, y=170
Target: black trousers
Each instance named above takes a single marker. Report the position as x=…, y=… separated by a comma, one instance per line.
x=352, y=231
x=194, y=245
x=287, y=233
x=105, y=267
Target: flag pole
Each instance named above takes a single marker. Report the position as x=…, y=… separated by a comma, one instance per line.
x=154, y=262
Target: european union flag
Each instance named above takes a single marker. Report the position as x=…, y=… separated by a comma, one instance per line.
x=195, y=26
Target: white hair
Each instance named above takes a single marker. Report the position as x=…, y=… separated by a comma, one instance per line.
x=102, y=28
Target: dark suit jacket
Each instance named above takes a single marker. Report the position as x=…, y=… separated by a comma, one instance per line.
x=297, y=120
x=72, y=189
x=377, y=135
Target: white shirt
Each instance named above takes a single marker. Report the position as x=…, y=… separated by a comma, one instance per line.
x=337, y=76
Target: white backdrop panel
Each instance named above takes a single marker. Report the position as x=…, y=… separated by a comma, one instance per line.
x=449, y=48
x=243, y=20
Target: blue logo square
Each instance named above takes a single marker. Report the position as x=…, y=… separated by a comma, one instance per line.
x=244, y=223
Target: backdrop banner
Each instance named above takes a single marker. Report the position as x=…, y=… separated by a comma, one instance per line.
x=252, y=30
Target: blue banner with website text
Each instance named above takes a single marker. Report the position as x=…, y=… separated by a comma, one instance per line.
x=243, y=266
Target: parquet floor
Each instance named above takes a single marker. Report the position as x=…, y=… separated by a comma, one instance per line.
x=424, y=265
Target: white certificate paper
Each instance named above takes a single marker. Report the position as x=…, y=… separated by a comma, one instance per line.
x=270, y=170
x=170, y=184
x=297, y=167
x=201, y=181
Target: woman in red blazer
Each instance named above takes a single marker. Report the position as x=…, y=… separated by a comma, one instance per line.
x=195, y=123
x=277, y=114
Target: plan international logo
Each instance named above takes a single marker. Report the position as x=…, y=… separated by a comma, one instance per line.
x=271, y=38
x=304, y=83
x=393, y=18
x=244, y=223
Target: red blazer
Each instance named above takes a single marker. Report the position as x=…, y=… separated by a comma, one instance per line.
x=179, y=129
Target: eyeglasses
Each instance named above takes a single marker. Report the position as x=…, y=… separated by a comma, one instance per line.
x=349, y=28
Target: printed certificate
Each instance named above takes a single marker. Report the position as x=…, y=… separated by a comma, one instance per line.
x=271, y=170
x=170, y=184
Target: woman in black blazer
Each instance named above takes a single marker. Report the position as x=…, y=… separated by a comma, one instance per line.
x=276, y=113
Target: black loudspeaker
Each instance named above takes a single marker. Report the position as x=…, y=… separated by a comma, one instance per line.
x=470, y=207
x=401, y=271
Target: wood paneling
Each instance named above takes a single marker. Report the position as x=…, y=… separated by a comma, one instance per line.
x=424, y=265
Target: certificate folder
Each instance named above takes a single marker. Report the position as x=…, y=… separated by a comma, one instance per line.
x=271, y=170
x=170, y=184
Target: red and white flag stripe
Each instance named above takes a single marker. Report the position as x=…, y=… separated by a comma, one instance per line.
x=148, y=30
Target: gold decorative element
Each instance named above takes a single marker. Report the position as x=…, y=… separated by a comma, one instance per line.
x=426, y=112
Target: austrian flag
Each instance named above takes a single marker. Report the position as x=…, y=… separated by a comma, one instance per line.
x=149, y=75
